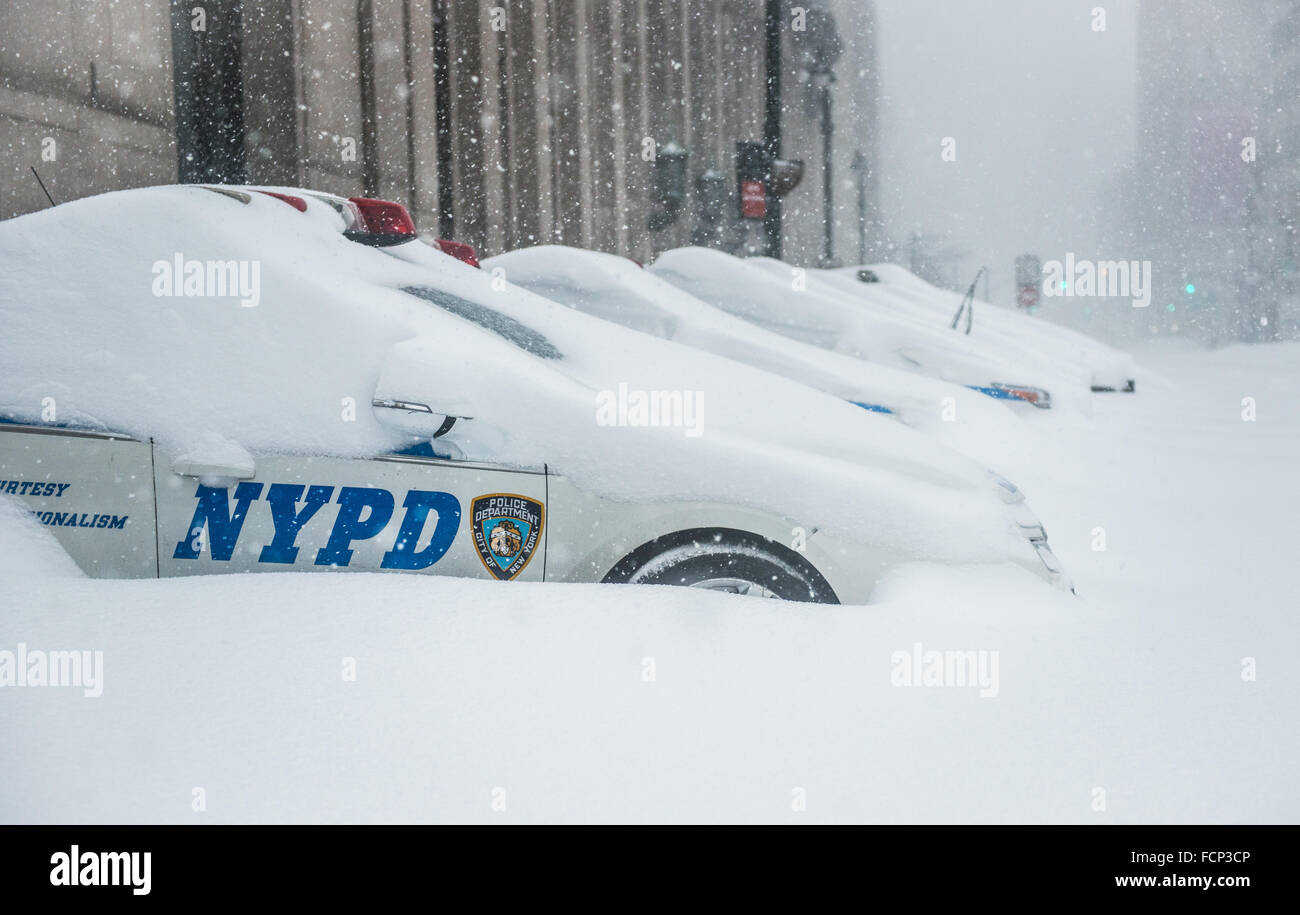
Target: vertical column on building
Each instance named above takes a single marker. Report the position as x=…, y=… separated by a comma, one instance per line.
x=327, y=115
x=505, y=123
x=422, y=115
x=663, y=55
x=389, y=163
x=618, y=128
x=467, y=111
x=271, y=94
x=524, y=130
x=567, y=133
x=724, y=138
x=636, y=129
x=545, y=148
x=700, y=23
x=493, y=118
x=208, y=88
x=583, y=57
x=602, y=66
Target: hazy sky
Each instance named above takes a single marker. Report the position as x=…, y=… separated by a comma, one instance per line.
x=1041, y=108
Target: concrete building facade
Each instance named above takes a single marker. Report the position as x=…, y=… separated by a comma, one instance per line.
x=505, y=124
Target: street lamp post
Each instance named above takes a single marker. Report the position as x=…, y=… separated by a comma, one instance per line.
x=860, y=165
x=772, y=22
x=823, y=80
x=820, y=49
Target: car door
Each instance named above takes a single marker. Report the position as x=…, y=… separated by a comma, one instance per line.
x=92, y=490
x=392, y=513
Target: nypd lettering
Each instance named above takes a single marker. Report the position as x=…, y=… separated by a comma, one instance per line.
x=363, y=513
x=506, y=529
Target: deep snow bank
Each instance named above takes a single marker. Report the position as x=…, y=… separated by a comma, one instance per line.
x=584, y=703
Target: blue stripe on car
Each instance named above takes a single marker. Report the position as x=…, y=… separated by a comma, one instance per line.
x=995, y=392
x=873, y=407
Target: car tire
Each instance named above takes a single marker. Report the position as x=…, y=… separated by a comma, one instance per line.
x=725, y=560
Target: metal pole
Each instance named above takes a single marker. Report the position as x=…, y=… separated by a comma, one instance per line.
x=442, y=121
x=772, y=120
x=369, y=101
x=828, y=206
x=860, y=166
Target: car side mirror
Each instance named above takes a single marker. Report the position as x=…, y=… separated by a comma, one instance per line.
x=414, y=418
x=422, y=392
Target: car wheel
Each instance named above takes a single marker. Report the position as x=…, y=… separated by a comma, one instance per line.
x=724, y=560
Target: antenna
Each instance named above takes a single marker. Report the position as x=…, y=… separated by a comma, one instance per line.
x=968, y=304
x=42, y=184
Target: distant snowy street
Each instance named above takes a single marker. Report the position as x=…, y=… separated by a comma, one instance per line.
x=1166, y=692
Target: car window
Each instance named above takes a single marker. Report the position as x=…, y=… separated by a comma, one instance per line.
x=504, y=326
x=611, y=304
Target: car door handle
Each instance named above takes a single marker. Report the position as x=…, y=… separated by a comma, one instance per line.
x=192, y=467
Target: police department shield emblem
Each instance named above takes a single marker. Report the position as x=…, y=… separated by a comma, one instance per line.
x=506, y=529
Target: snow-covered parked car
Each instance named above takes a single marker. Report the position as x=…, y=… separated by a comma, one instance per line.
x=236, y=385
x=897, y=290
x=799, y=304
x=618, y=289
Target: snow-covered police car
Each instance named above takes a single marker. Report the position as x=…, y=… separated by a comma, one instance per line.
x=235, y=385
x=896, y=290
x=619, y=290
x=803, y=305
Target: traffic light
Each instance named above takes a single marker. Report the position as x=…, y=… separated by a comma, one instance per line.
x=759, y=178
x=668, y=184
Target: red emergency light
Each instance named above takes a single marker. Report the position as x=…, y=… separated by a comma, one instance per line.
x=460, y=250
x=296, y=202
x=383, y=223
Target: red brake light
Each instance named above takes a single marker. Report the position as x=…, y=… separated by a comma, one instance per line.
x=296, y=202
x=383, y=222
x=460, y=250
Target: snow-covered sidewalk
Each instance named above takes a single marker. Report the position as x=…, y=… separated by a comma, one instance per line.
x=1167, y=692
